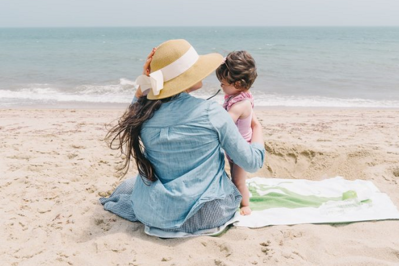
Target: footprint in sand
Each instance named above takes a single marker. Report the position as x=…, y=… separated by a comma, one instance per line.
x=72, y=155
x=104, y=224
x=219, y=262
x=78, y=147
x=396, y=172
x=225, y=248
x=267, y=250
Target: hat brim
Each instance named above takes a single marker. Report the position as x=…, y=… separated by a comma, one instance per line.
x=204, y=66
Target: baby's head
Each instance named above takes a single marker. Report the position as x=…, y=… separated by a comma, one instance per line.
x=239, y=70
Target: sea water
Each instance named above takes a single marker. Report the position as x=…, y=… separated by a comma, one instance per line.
x=297, y=66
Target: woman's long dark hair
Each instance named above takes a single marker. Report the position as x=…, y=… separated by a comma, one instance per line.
x=125, y=136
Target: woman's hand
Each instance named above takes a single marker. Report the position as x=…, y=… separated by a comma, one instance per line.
x=147, y=64
x=257, y=135
x=146, y=70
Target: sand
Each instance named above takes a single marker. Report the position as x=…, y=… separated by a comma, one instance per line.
x=54, y=165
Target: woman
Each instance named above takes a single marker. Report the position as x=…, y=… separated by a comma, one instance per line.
x=178, y=143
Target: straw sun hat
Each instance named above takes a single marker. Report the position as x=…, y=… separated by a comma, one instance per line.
x=175, y=67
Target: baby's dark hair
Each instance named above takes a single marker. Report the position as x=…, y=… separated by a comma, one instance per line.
x=239, y=69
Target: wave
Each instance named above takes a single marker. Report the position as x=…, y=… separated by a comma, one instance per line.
x=273, y=100
x=122, y=93
x=44, y=93
x=318, y=101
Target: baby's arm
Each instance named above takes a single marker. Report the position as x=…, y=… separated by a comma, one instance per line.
x=257, y=135
x=240, y=110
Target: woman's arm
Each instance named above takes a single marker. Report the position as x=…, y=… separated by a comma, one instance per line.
x=146, y=71
x=248, y=156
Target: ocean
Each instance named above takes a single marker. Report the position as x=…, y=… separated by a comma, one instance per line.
x=297, y=66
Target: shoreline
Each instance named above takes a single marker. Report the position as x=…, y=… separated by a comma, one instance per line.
x=116, y=106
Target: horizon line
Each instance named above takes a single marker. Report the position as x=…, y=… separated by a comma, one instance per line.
x=199, y=26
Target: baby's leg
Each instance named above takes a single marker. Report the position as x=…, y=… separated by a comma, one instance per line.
x=239, y=176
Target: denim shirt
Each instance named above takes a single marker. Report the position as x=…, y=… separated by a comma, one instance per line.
x=185, y=141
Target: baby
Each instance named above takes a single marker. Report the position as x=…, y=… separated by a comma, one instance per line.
x=237, y=74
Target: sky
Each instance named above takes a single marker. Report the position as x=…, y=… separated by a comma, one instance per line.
x=114, y=13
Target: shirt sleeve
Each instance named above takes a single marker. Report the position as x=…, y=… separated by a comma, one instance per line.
x=248, y=156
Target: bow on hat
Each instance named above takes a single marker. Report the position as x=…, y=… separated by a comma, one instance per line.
x=154, y=81
x=157, y=78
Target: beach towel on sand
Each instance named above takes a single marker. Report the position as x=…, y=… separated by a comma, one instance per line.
x=277, y=201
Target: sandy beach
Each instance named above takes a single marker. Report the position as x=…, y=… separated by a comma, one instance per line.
x=54, y=165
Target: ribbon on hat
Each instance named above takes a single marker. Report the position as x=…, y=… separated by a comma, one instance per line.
x=157, y=78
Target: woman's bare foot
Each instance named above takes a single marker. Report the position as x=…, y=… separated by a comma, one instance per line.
x=245, y=210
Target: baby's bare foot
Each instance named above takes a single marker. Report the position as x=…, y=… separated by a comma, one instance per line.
x=245, y=210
